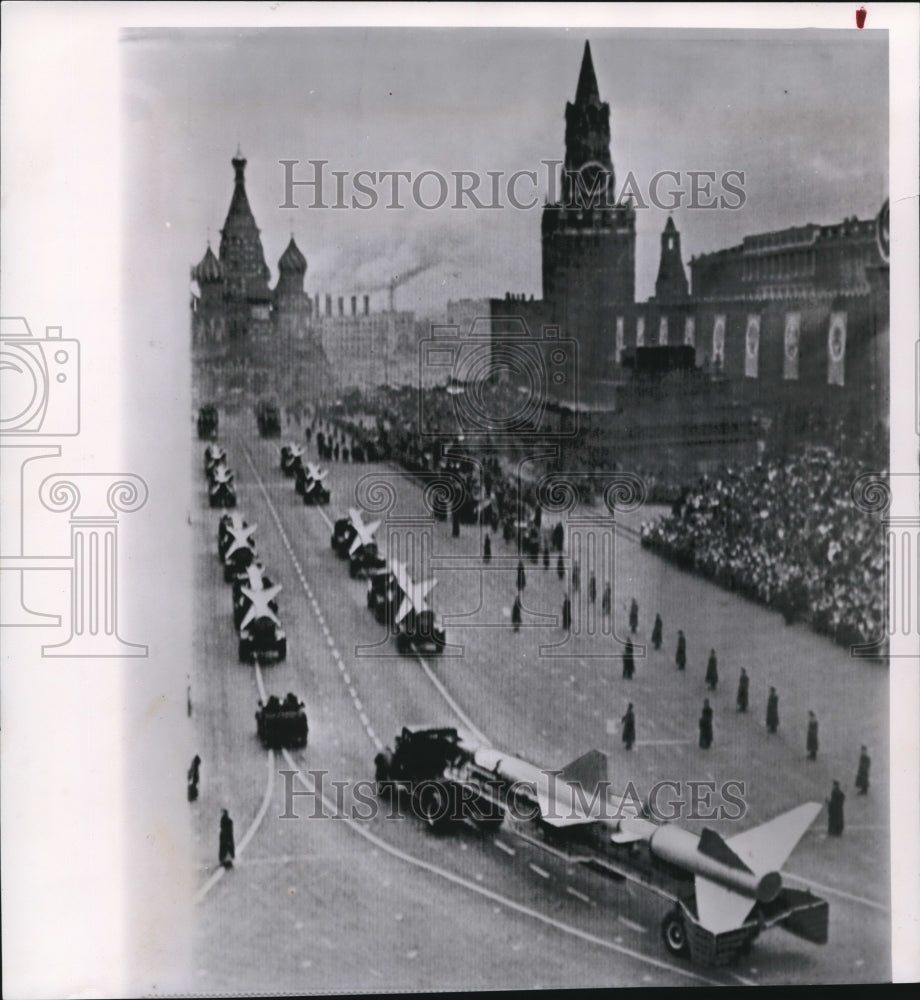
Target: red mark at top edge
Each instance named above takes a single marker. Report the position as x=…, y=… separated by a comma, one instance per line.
x=860, y=17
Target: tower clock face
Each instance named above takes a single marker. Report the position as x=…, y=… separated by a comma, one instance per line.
x=592, y=184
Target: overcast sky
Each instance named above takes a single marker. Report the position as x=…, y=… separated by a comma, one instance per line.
x=803, y=114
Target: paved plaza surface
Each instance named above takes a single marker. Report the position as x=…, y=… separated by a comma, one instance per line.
x=328, y=902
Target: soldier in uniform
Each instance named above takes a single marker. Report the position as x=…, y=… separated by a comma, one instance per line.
x=656, y=632
x=592, y=588
x=743, y=683
x=680, y=658
x=706, y=725
x=772, y=711
x=226, y=850
x=576, y=576
x=605, y=600
x=629, y=663
x=811, y=740
x=516, y=613
x=193, y=776
x=629, y=727
x=521, y=575
x=545, y=556
x=560, y=567
x=862, y=771
x=487, y=548
x=712, y=671
x=633, y=616
x=835, y=811
x=566, y=613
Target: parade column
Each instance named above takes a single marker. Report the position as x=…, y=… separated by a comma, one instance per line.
x=94, y=501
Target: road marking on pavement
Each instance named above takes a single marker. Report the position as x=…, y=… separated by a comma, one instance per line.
x=510, y=904
x=542, y=872
x=308, y=590
x=502, y=846
x=632, y=925
x=579, y=895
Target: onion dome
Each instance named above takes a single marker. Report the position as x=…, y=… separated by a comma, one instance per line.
x=208, y=270
x=292, y=260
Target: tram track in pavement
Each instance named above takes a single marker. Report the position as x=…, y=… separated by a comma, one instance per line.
x=403, y=855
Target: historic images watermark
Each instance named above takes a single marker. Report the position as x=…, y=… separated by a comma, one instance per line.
x=309, y=184
x=556, y=800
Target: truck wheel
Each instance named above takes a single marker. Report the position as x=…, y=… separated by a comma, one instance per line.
x=245, y=653
x=282, y=649
x=402, y=643
x=674, y=934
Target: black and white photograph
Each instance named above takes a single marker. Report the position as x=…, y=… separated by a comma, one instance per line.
x=461, y=495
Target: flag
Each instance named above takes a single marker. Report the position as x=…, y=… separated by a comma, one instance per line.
x=690, y=331
x=752, y=347
x=718, y=341
x=640, y=331
x=791, y=346
x=621, y=339
x=663, y=331
x=836, y=348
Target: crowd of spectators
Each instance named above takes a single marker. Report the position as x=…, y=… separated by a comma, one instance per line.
x=787, y=533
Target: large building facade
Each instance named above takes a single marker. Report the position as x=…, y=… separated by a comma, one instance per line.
x=249, y=339
x=790, y=320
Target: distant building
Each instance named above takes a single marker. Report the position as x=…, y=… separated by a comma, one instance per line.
x=788, y=322
x=248, y=338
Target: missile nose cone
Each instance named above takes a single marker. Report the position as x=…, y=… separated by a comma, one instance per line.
x=769, y=886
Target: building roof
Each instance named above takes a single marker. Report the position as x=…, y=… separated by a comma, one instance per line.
x=292, y=259
x=587, y=92
x=208, y=270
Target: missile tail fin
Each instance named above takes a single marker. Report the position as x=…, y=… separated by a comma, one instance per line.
x=720, y=909
x=589, y=770
x=766, y=847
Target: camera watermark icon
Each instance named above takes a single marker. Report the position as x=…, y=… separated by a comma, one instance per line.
x=871, y=493
x=503, y=382
x=39, y=381
x=41, y=399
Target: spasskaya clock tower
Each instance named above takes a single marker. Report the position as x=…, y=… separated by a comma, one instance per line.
x=588, y=237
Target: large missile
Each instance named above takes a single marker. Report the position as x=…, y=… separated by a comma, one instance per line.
x=730, y=875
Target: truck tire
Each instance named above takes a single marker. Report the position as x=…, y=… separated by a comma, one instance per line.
x=674, y=934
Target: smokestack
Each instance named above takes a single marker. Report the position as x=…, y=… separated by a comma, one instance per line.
x=354, y=305
x=328, y=305
x=341, y=305
x=367, y=305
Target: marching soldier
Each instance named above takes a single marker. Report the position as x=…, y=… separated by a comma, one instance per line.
x=862, y=772
x=566, y=613
x=516, y=613
x=521, y=575
x=706, y=725
x=656, y=632
x=629, y=663
x=680, y=657
x=576, y=576
x=811, y=740
x=592, y=588
x=633, y=616
x=712, y=671
x=226, y=847
x=629, y=727
x=487, y=548
x=772, y=711
x=193, y=776
x=560, y=567
x=743, y=683
x=605, y=600
x=835, y=811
